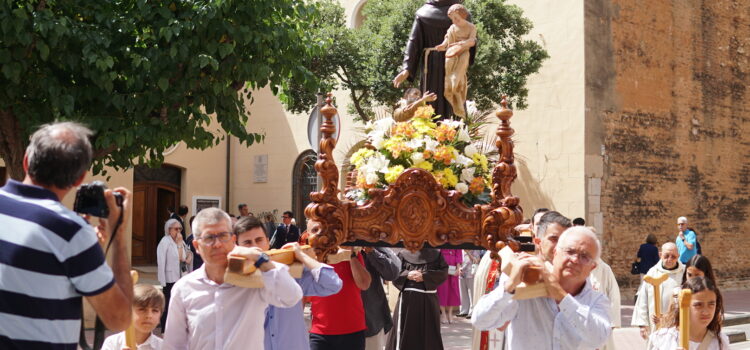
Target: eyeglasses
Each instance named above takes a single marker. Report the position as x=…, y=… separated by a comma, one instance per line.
x=208, y=240
x=581, y=257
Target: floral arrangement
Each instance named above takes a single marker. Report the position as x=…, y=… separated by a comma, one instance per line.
x=444, y=148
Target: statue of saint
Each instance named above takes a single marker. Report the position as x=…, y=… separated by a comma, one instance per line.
x=461, y=37
x=412, y=100
x=430, y=26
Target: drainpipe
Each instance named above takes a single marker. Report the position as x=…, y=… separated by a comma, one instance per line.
x=228, y=168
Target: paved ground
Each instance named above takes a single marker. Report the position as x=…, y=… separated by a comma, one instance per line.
x=457, y=336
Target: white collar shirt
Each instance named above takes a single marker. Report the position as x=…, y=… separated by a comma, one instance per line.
x=205, y=315
x=117, y=342
x=578, y=322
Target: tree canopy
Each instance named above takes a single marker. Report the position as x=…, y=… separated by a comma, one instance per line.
x=145, y=75
x=365, y=60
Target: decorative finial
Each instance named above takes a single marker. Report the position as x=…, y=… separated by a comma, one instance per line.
x=504, y=113
x=329, y=110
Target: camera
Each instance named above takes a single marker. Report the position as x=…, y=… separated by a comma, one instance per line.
x=90, y=200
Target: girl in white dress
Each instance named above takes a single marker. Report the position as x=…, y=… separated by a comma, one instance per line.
x=706, y=310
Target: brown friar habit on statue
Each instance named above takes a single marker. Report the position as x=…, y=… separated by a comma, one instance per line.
x=417, y=313
x=431, y=23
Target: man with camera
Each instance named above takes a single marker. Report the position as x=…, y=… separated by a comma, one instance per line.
x=50, y=256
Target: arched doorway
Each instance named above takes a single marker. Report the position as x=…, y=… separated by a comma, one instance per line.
x=304, y=181
x=156, y=193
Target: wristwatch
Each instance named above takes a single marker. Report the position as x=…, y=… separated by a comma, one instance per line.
x=262, y=260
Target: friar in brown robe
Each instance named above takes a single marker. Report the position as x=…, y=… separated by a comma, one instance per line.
x=417, y=313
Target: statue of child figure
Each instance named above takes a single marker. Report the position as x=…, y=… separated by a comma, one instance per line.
x=412, y=100
x=461, y=36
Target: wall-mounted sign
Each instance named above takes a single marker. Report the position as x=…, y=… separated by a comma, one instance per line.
x=203, y=202
x=260, y=168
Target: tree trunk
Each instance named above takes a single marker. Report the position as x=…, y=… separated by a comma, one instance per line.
x=12, y=144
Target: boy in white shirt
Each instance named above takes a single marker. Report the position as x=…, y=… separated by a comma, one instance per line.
x=148, y=304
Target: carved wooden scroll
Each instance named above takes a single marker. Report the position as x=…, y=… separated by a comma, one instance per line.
x=415, y=209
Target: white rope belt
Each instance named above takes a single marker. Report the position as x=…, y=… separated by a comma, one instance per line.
x=420, y=290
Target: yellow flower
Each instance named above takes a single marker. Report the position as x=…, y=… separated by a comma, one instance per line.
x=449, y=178
x=396, y=146
x=362, y=182
x=393, y=173
x=480, y=159
x=359, y=157
x=423, y=126
x=424, y=112
x=424, y=165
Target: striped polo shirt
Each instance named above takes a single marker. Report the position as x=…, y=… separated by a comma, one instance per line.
x=49, y=258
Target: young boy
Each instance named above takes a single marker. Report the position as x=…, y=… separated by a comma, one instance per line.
x=148, y=304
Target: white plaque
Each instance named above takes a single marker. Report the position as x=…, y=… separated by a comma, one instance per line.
x=260, y=168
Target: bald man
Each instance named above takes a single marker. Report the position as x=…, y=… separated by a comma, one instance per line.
x=643, y=312
x=573, y=316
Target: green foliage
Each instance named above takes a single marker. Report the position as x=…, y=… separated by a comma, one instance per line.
x=366, y=59
x=147, y=74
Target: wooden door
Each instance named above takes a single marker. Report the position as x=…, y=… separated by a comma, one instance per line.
x=151, y=204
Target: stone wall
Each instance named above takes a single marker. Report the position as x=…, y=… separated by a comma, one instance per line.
x=675, y=131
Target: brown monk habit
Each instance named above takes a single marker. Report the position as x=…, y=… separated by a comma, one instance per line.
x=430, y=25
x=417, y=313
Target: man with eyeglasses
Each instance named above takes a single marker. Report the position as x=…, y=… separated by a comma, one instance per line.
x=286, y=232
x=686, y=240
x=573, y=316
x=205, y=312
x=643, y=311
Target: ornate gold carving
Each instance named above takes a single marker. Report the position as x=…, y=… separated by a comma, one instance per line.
x=415, y=209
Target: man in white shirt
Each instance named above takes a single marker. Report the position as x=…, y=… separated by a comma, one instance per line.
x=205, y=312
x=603, y=280
x=643, y=311
x=574, y=316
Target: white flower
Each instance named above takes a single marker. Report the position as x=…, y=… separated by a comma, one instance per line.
x=414, y=144
x=430, y=145
x=462, y=187
x=471, y=107
x=453, y=123
x=464, y=161
x=383, y=125
x=417, y=157
x=377, y=141
x=372, y=178
x=467, y=174
x=463, y=135
x=377, y=163
x=470, y=150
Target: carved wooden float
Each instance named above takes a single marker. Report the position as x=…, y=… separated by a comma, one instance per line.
x=415, y=209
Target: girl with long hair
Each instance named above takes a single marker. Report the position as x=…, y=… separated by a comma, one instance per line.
x=706, y=310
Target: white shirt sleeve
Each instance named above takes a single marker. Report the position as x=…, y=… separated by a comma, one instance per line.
x=177, y=334
x=280, y=289
x=640, y=310
x=161, y=262
x=494, y=309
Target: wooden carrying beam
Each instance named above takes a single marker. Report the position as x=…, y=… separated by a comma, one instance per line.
x=242, y=272
x=685, y=296
x=532, y=286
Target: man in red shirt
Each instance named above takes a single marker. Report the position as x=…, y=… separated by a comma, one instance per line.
x=338, y=321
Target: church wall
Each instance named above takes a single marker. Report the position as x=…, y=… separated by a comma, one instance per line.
x=673, y=137
x=549, y=139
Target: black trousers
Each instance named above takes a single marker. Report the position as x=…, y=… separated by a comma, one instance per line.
x=167, y=293
x=351, y=341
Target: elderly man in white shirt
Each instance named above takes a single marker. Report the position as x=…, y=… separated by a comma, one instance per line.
x=205, y=312
x=643, y=311
x=574, y=316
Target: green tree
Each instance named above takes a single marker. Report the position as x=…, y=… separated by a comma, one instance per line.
x=145, y=74
x=366, y=59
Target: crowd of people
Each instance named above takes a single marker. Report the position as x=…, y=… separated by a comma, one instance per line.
x=52, y=257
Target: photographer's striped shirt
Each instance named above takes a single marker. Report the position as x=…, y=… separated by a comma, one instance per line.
x=49, y=258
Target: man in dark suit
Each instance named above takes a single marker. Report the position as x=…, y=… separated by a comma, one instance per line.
x=180, y=215
x=286, y=232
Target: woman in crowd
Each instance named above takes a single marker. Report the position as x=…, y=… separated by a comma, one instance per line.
x=648, y=254
x=706, y=310
x=173, y=259
x=448, y=292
